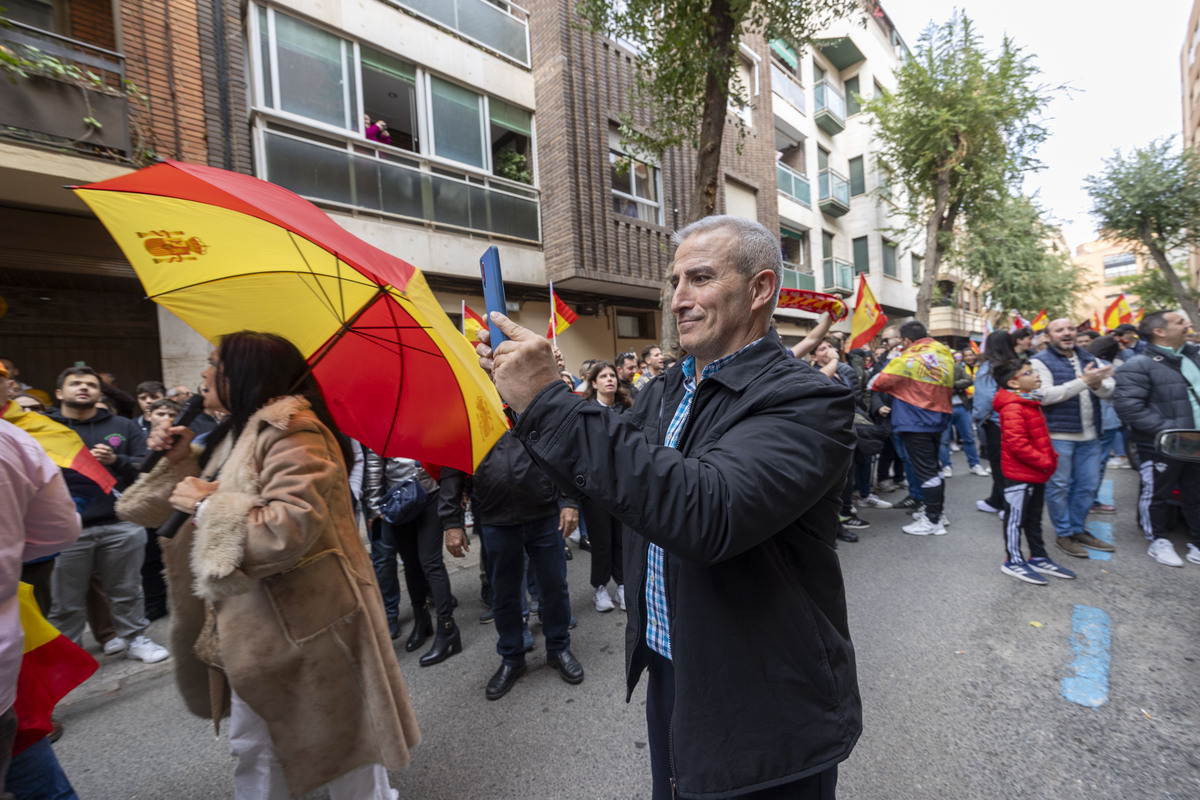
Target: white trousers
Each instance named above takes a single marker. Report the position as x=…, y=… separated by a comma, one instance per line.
x=259, y=776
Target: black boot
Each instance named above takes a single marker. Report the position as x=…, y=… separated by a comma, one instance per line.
x=445, y=644
x=422, y=629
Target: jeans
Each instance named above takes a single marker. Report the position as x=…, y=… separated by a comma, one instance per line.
x=910, y=475
x=507, y=546
x=419, y=544
x=960, y=421
x=863, y=467
x=115, y=551
x=1072, y=487
x=35, y=772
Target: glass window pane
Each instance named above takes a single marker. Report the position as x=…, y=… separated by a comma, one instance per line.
x=265, y=55
x=862, y=255
x=858, y=178
x=826, y=245
x=621, y=173
x=407, y=191
x=889, y=258
x=822, y=158
x=457, y=129
x=309, y=169
x=852, y=106
x=645, y=182
x=310, y=71
x=510, y=117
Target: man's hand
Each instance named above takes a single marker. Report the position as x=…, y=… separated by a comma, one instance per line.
x=162, y=437
x=885, y=411
x=520, y=367
x=568, y=520
x=1093, y=376
x=104, y=454
x=456, y=542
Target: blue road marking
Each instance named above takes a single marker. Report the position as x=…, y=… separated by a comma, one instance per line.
x=1102, y=531
x=1105, y=495
x=1087, y=680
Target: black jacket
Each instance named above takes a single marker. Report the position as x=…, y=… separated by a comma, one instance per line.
x=127, y=441
x=507, y=488
x=1151, y=393
x=746, y=508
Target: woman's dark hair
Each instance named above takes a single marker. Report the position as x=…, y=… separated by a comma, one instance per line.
x=999, y=348
x=255, y=367
x=589, y=391
x=1105, y=347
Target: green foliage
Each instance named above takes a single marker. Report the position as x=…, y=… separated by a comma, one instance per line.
x=1151, y=195
x=514, y=166
x=1011, y=256
x=1153, y=289
x=682, y=46
x=29, y=62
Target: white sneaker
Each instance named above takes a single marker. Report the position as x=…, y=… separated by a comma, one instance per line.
x=115, y=645
x=985, y=507
x=142, y=649
x=981, y=471
x=923, y=527
x=621, y=596
x=603, y=601
x=944, y=520
x=886, y=486
x=1193, y=554
x=873, y=501
x=1162, y=551
x=1113, y=463
x=948, y=472
x=575, y=536
x=954, y=448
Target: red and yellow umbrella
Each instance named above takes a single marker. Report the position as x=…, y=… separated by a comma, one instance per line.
x=228, y=252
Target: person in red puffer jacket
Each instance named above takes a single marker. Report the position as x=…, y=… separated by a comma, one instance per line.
x=1027, y=459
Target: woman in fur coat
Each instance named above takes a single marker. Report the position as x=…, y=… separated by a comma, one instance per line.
x=277, y=619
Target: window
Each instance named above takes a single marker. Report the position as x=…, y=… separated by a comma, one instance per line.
x=889, y=258
x=740, y=200
x=858, y=178
x=793, y=245
x=635, y=184
x=822, y=159
x=818, y=73
x=457, y=117
x=511, y=134
x=389, y=88
x=635, y=324
x=316, y=73
x=743, y=86
x=916, y=269
x=862, y=255
x=852, y=98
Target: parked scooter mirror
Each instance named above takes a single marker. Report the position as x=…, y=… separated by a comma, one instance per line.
x=1183, y=444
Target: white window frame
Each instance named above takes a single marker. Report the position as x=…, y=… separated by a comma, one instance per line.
x=614, y=150
x=754, y=61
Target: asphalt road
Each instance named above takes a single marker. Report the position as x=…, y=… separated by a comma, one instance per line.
x=962, y=693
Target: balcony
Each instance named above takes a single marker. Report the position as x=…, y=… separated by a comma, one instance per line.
x=833, y=193
x=499, y=26
x=786, y=87
x=796, y=276
x=396, y=183
x=793, y=184
x=842, y=52
x=839, y=276
x=830, y=107
x=72, y=94
x=950, y=320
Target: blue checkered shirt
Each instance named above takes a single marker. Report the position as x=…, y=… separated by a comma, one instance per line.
x=658, y=631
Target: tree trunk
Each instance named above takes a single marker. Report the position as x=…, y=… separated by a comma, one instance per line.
x=933, y=250
x=703, y=201
x=1181, y=293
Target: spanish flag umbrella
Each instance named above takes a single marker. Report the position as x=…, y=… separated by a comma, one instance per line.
x=227, y=252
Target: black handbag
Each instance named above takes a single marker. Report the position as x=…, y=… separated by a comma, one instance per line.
x=404, y=502
x=870, y=436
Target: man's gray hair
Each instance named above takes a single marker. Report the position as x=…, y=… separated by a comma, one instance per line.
x=754, y=247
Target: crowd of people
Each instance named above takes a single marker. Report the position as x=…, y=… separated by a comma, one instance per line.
x=730, y=473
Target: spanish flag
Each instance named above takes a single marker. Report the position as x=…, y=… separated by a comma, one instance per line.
x=1138, y=315
x=1095, y=323
x=52, y=665
x=869, y=318
x=561, y=315
x=472, y=323
x=1018, y=323
x=64, y=447
x=1118, y=313
x=974, y=346
x=1040, y=321
x=922, y=375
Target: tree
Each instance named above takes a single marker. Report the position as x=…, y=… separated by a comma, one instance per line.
x=1151, y=201
x=682, y=77
x=1154, y=290
x=958, y=133
x=1011, y=256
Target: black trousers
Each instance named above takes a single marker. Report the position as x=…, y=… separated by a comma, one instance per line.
x=1160, y=477
x=608, y=553
x=991, y=438
x=890, y=467
x=923, y=455
x=419, y=544
x=660, y=705
x=1024, y=505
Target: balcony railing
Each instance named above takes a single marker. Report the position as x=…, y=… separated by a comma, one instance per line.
x=793, y=184
x=829, y=108
x=499, y=26
x=786, y=87
x=796, y=276
x=396, y=183
x=833, y=192
x=74, y=94
x=839, y=275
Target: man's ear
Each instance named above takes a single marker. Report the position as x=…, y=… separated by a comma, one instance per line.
x=763, y=289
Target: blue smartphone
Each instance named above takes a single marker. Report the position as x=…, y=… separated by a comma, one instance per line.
x=493, y=291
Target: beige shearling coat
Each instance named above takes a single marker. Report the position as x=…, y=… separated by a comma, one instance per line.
x=303, y=637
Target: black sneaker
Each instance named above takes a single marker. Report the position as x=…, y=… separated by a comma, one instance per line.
x=846, y=535
x=854, y=523
x=908, y=503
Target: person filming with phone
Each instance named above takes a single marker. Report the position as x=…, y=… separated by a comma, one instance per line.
x=727, y=475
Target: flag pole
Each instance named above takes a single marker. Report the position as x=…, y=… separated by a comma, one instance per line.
x=553, y=314
x=463, y=316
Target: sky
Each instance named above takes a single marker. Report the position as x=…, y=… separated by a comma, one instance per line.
x=1121, y=61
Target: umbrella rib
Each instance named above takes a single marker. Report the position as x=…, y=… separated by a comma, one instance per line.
x=342, y=306
x=235, y=277
x=403, y=374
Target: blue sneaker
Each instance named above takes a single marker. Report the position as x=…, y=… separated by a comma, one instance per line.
x=1022, y=571
x=528, y=638
x=1048, y=567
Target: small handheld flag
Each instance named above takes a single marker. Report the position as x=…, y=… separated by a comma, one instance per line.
x=561, y=316
x=869, y=318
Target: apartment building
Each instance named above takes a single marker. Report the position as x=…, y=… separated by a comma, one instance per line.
x=1189, y=72
x=1103, y=266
